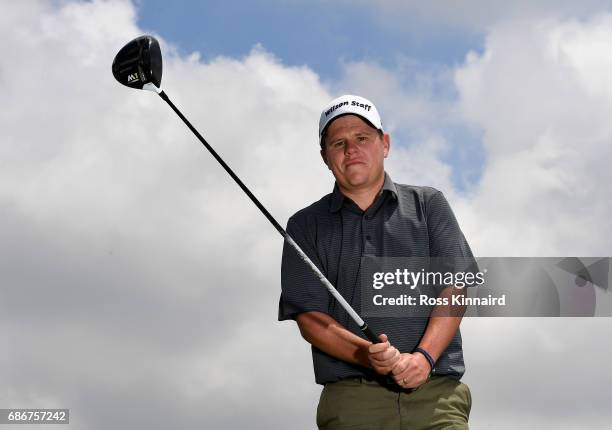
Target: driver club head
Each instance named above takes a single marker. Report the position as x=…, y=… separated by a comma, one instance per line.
x=139, y=63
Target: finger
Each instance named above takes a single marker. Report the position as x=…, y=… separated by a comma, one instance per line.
x=390, y=352
x=378, y=347
x=382, y=355
x=396, y=355
x=404, y=381
x=406, y=364
x=400, y=375
x=412, y=376
x=392, y=361
x=413, y=382
x=406, y=373
x=383, y=341
x=400, y=367
x=387, y=358
x=386, y=364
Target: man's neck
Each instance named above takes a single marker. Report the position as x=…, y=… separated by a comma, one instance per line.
x=364, y=197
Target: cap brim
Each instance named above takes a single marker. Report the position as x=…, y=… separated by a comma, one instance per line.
x=367, y=121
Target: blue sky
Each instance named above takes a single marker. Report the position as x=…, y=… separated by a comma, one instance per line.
x=319, y=34
x=325, y=36
x=121, y=263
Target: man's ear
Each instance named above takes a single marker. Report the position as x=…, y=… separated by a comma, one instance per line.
x=386, y=144
x=324, y=157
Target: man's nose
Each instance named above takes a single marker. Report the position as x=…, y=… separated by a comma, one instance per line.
x=350, y=146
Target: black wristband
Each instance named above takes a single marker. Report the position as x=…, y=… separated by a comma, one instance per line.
x=426, y=355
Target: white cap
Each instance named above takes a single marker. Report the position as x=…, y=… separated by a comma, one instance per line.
x=349, y=104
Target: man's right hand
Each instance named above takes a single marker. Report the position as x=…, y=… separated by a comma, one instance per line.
x=383, y=356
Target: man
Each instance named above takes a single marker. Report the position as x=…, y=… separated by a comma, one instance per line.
x=411, y=379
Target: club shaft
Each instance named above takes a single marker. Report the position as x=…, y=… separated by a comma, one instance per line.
x=227, y=168
x=347, y=307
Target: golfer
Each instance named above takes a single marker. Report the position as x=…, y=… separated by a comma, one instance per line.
x=411, y=380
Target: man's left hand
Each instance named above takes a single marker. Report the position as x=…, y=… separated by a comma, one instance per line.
x=411, y=370
x=383, y=356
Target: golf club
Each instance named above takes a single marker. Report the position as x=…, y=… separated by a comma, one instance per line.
x=139, y=65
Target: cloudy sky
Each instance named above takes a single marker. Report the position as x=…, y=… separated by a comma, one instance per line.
x=139, y=288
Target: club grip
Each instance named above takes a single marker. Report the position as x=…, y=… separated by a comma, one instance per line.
x=369, y=334
x=375, y=339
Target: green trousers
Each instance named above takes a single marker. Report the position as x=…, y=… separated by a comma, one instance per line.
x=356, y=403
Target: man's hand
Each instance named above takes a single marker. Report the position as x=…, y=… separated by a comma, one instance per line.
x=411, y=370
x=383, y=356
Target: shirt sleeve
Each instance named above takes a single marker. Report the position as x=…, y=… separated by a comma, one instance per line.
x=301, y=290
x=447, y=244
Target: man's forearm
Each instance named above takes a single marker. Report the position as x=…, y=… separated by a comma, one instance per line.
x=324, y=332
x=443, y=324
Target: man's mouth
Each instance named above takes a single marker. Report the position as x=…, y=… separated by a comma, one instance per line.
x=354, y=162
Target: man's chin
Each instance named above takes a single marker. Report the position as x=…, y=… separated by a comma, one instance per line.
x=357, y=181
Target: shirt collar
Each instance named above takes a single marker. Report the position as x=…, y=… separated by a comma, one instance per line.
x=338, y=198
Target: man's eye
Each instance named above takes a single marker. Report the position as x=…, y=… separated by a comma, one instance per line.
x=338, y=144
x=362, y=138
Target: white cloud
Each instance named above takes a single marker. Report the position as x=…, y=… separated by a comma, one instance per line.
x=126, y=284
x=540, y=96
x=546, y=134
x=542, y=101
x=135, y=273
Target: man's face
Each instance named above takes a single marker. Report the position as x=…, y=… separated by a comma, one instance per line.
x=355, y=152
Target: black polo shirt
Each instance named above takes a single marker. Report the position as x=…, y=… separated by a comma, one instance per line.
x=403, y=221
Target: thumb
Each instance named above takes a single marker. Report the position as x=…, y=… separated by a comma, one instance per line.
x=383, y=338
